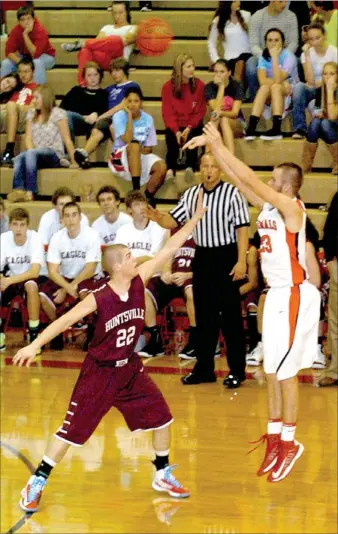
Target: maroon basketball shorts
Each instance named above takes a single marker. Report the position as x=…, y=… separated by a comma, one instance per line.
x=162, y=294
x=16, y=290
x=48, y=288
x=100, y=388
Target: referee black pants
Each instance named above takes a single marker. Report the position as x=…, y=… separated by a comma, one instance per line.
x=217, y=306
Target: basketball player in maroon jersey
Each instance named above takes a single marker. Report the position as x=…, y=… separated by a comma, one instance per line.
x=112, y=373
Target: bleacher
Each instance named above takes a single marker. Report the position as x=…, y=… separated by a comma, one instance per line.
x=67, y=20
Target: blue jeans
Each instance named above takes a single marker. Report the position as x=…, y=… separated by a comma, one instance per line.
x=251, y=77
x=42, y=63
x=77, y=125
x=26, y=167
x=302, y=96
x=323, y=129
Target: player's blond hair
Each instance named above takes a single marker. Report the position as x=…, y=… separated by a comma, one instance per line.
x=292, y=174
x=112, y=255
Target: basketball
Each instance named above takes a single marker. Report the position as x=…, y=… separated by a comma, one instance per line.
x=154, y=37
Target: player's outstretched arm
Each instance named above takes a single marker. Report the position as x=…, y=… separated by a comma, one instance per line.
x=84, y=308
x=290, y=210
x=147, y=270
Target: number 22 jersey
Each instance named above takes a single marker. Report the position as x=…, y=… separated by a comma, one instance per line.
x=119, y=322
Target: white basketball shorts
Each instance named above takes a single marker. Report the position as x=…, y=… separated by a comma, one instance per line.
x=118, y=164
x=290, y=329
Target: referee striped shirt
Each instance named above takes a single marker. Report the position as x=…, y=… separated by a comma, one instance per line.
x=227, y=211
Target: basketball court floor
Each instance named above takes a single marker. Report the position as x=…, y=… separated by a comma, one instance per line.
x=105, y=487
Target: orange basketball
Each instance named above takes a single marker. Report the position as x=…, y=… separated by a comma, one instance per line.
x=153, y=37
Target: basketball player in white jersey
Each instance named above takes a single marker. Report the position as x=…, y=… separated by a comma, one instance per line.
x=143, y=237
x=21, y=259
x=112, y=218
x=292, y=307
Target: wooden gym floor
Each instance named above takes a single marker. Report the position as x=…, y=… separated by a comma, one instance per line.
x=105, y=487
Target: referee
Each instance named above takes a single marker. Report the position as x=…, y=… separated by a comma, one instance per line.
x=221, y=239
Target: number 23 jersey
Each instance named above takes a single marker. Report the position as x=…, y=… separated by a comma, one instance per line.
x=119, y=323
x=283, y=253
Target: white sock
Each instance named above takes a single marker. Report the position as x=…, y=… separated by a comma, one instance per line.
x=49, y=461
x=275, y=426
x=288, y=432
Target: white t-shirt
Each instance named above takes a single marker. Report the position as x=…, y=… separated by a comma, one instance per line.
x=50, y=223
x=19, y=259
x=110, y=29
x=107, y=231
x=145, y=242
x=236, y=40
x=73, y=254
x=318, y=62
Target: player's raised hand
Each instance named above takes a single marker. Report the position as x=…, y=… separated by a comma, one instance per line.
x=27, y=353
x=195, y=142
x=200, y=210
x=211, y=134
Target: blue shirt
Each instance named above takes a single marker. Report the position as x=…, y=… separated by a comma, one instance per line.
x=116, y=92
x=286, y=62
x=143, y=129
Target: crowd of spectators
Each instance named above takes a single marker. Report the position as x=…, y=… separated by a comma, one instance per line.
x=262, y=62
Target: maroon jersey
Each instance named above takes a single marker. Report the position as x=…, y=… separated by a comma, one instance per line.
x=119, y=324
x=184, y=256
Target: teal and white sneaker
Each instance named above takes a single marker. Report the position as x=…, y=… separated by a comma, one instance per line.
x=31, y=494
x=164, y=480
x=2, y=342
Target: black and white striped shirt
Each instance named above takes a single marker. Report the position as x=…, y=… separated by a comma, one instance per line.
x=227, y=211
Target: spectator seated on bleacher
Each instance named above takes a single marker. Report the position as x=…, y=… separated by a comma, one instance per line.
x=119, y=70
x=224, y=96
x=8, y=85
x=324, y=125
x=22, y=257
x=51, y=220
x=13, y=114
x=175, y=281
x=107, y=225
x=143, y=237
x=275, y=15
x=277, y=74
x=113, y=41
x=230, y=25
x=4, y=220
x=132, y=156
x=326, y=13
x=183, y=111
x=316, y=52
x=73, y=261
x=84, y=104
x=29, y=38
x=46, y=134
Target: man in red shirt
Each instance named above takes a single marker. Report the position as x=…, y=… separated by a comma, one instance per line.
x=29, y=38
x=13, y=114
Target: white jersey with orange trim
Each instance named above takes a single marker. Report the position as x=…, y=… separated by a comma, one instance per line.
x=283, y=253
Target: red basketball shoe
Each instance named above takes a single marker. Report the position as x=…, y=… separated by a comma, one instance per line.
x=289, y=452
x=31, y=494
x=271, y=453
x=164, y=480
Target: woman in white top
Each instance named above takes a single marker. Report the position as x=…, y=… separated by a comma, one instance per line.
x=46, y=134
x=316, y=53
x=230, y=25
x=114, y=40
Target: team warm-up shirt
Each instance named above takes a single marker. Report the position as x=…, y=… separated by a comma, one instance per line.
x=145, y=242
x=19, y=259
x=119, y=322
x=184, y=256
x=107, y=231
x=50, y=223
x=143, y=129
x=282, y=253
x=73, y=254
